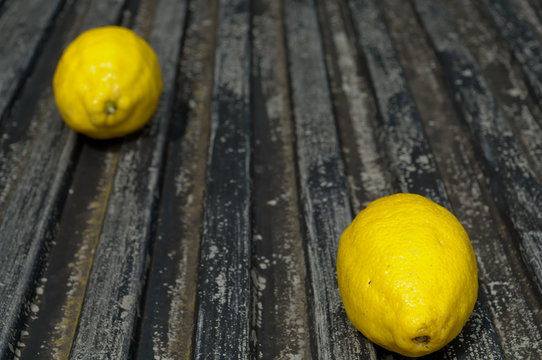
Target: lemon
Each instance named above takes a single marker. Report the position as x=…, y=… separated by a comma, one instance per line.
x=107, y=82
x=407, y=274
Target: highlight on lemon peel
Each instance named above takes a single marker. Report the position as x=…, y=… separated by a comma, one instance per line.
x=107, y=82
x=407, y=274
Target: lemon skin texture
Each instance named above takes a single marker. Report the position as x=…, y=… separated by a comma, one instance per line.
x=107, y=82
x=407, y=274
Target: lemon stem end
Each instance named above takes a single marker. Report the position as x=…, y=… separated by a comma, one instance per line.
x=110, y=107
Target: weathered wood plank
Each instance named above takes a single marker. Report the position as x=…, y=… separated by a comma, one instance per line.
x=16, y=126
x=37, y=201
x=503, y=75
x=34, y=175
x=410, y=155
x=223, y=302
x=168, y=317
x=361, y=135
x=515, y=188
x=109, y=314
x=279, y=277
x=325, y=205
x=49, y=333
x=528, y=11
x=506, y=290
x=520, y=40
x=21, y=41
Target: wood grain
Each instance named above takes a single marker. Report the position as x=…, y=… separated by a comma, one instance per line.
x=515, y=188
x=325, y=206
x=223, y=305
x=168, y=315
x=520, y=40
x=361, y=134
x=278, y=273
x=21, y=41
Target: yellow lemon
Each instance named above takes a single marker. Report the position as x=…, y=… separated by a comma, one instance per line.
x=407, y=274
x=107, y=82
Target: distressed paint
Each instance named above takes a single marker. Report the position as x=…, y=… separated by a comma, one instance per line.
x=223, y=302
x=61, y=289
x=169, y=313
x=409, y=154
x=519, y=39
x=325, y=206
x=279, y=309
x=367, y=172
x=503, y=74
x=41, y=197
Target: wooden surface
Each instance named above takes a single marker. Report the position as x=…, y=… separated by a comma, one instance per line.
x=222, y=327
x=212, y=233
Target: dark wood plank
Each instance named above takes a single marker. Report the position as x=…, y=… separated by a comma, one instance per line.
x=37, y=201
x=223, y=303
x=278, y=273
x=108, y=317
x=35, y=172
x=361, y=136
x=168, y=316
x=516, y=70
x=21, y=41
x=503, y=279
x=515, y=188
x=49, y=333
x=520, y=40
x=529, y=12
x=504, y=77
x=325, y=206
x=411, y=157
